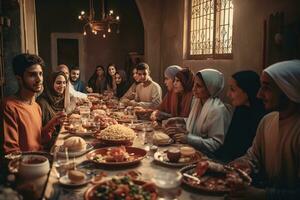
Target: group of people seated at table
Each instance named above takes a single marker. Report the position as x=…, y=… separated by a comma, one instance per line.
x=259, y=132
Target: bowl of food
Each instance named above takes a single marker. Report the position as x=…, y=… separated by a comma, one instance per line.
x=115, y=135
x=33, y=166
x=143, y=113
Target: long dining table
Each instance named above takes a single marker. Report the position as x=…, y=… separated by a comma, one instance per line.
x=55, y=191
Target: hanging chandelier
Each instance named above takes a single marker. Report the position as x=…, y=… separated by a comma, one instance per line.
x=106, y=24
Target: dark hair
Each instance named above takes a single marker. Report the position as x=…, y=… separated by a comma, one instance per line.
x=74, y=68
x=143, y=66
x=123, y=75
x=109, y=78
x=186, y=78
x=249, y=82
x=23, y=61
x=94, y=76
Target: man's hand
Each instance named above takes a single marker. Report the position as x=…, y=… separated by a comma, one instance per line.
x=58, y=119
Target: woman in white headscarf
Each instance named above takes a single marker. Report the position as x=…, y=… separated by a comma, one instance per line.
x=210, y=117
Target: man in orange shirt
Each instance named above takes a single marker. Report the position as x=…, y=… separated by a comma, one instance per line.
x=22, y=116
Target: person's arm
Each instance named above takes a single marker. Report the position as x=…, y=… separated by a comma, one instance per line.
x=129, y=95
x=75, y=93
x=218, y=121
x=10, y=132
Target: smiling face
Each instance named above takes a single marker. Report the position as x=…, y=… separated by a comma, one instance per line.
x=75, y=74
x=178, y=87
x=169, y=83
x=112, y=70
x=236, y=95
x=269, y=92
x=59, y=84
x=32, y=79
x=143, y=75
x=200, y=91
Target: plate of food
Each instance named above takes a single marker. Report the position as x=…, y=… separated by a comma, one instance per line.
x=77, y=146
x=121, y=187
x=117, y=156
x=177, y=156
x=115, y=135
x=215, y=178
x=74, y=178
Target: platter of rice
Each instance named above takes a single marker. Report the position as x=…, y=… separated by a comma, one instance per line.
x=116, y=135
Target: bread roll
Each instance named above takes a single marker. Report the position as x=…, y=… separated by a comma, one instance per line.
x=187, y=151
x=75, y=144
x=160, y=138
x=76, y=176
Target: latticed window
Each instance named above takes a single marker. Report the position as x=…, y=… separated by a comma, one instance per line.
x=210, y=28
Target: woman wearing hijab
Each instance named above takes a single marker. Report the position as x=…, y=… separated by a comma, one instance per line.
x=177, y=102
x=97, y=82
x=52, y=99
x=275, y=149
x=209, y=118
x=121, y=81
x=243, y=88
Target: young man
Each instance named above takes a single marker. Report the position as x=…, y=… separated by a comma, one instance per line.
x=275, y=152
x=148, y=92
x=22, y=116
x=76, y=82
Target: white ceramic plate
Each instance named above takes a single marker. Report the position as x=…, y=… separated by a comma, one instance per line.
x=75, y=154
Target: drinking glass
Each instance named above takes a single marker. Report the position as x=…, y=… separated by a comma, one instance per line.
x=167, y=184
x=61, y=161
x=84, y=112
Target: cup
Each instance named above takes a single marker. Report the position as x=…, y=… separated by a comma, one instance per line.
x=61, y=162
x=167, y=184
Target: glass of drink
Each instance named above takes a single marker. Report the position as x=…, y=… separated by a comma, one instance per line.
x=167, y=184
x=61, y=161
x=84, y=112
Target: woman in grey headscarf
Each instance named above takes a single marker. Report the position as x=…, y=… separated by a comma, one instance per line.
x=210, y=117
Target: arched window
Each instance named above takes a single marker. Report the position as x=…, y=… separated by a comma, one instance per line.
x=210, y=29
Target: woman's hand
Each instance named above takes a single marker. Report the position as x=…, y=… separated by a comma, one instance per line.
x=242, y=165
x=154, y=115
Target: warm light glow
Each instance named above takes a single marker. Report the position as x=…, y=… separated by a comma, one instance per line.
x=107, y=24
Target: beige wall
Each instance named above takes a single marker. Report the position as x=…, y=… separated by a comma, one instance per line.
x=249, y=16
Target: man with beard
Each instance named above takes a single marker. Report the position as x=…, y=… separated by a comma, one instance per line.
x=275, y=152
x=22, y=116
x=76, y=82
